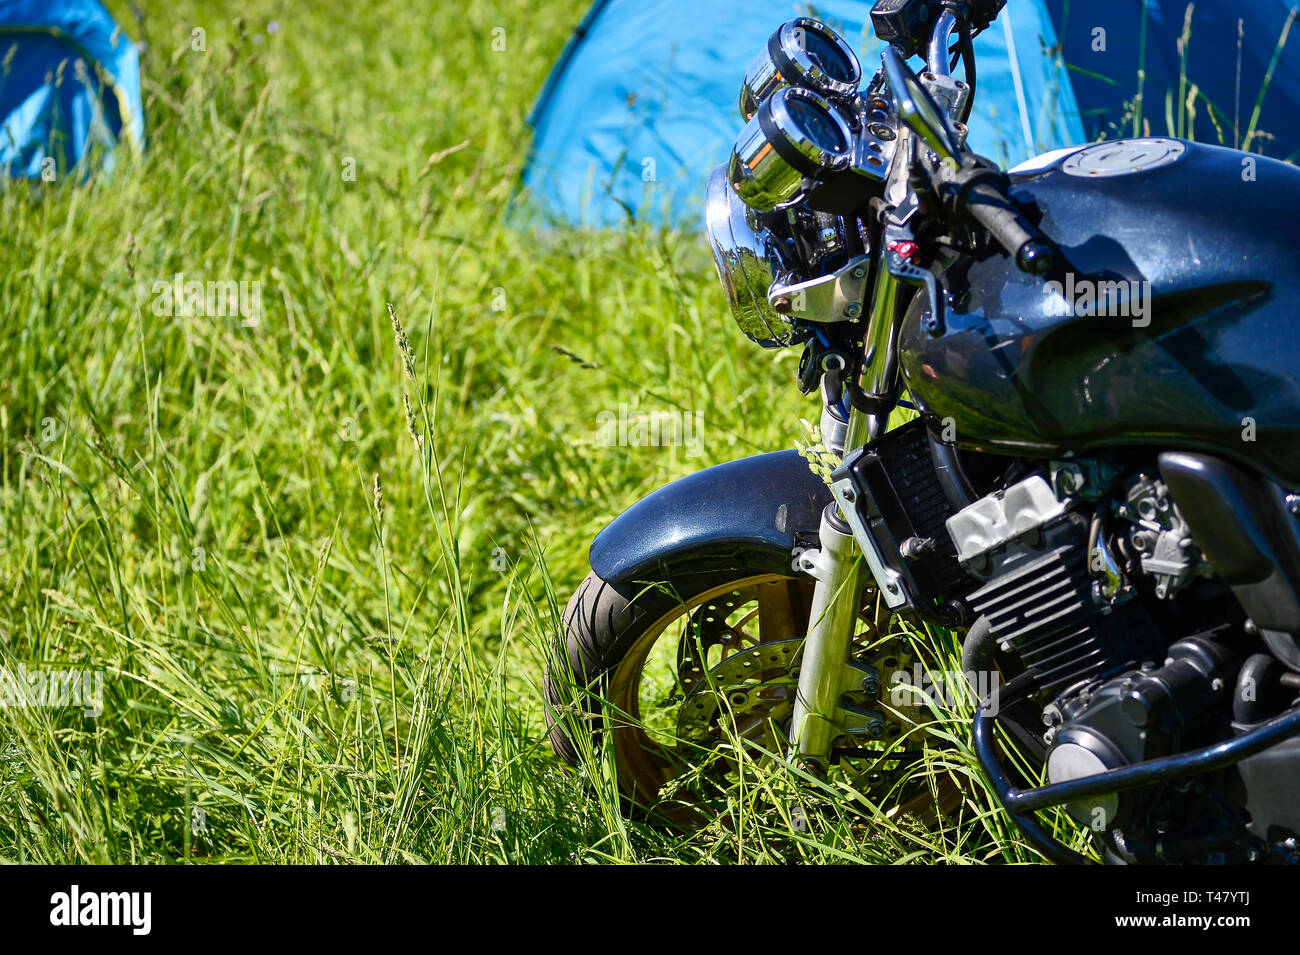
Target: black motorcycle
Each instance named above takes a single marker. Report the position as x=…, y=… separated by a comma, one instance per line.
x=1099, y=488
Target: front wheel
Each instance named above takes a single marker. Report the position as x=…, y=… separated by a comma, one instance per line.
x=672, y=670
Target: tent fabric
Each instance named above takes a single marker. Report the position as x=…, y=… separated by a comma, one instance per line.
x=69, y=86
x=1105, y=79
x=643, y=102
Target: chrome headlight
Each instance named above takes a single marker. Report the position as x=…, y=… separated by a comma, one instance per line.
x=796, y=135
x=804, y=52
x=742, y=251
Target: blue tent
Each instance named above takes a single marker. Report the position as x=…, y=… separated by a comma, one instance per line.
x=1221, y=34
x=69, y=87
x=642, y=103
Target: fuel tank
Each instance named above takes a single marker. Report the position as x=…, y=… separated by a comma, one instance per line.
x=1173, y=322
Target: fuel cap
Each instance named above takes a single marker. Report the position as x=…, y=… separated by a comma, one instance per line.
x=1123, y=158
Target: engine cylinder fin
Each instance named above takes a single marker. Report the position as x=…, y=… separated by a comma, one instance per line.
x=1043, y=610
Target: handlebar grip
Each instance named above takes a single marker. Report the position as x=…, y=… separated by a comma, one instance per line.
x=989, y=206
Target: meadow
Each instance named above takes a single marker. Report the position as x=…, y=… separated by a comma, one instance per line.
x=315, y=548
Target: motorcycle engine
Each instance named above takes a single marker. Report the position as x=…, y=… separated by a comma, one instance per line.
x=1062, y=610
x=1077, y=583
x=1084, y=572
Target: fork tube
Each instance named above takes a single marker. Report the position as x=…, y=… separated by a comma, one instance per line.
x=880, y=356
x=862, y=429
x=837, y=566
x=832, y=622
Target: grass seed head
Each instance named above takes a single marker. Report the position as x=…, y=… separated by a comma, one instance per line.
x=412, y=423
x=403, y=343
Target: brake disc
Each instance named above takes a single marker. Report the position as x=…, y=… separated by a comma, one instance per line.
x=749, y=696
x=709, y=631
x=750, y=692
x=753, y=688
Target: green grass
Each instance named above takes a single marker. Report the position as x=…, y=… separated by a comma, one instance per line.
x=320, y=623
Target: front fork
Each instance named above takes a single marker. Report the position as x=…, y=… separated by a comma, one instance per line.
x=827, y=670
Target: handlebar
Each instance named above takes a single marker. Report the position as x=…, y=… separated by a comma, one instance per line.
x=985, y=202
x=907, y=23
x=937, y=56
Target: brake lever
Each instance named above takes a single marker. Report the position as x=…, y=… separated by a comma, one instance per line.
x=901, y=258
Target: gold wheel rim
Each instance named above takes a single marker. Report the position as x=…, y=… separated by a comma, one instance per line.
x=642, y=766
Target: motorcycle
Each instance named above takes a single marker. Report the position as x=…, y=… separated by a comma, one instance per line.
x=1099, y=488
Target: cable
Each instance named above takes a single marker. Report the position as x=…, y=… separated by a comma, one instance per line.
x=968, y=58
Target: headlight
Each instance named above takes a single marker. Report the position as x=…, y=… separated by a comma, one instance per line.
x=742, y=251
x=804, y=52
x=795, y=135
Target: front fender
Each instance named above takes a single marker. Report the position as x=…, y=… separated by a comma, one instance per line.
x=745, y=514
